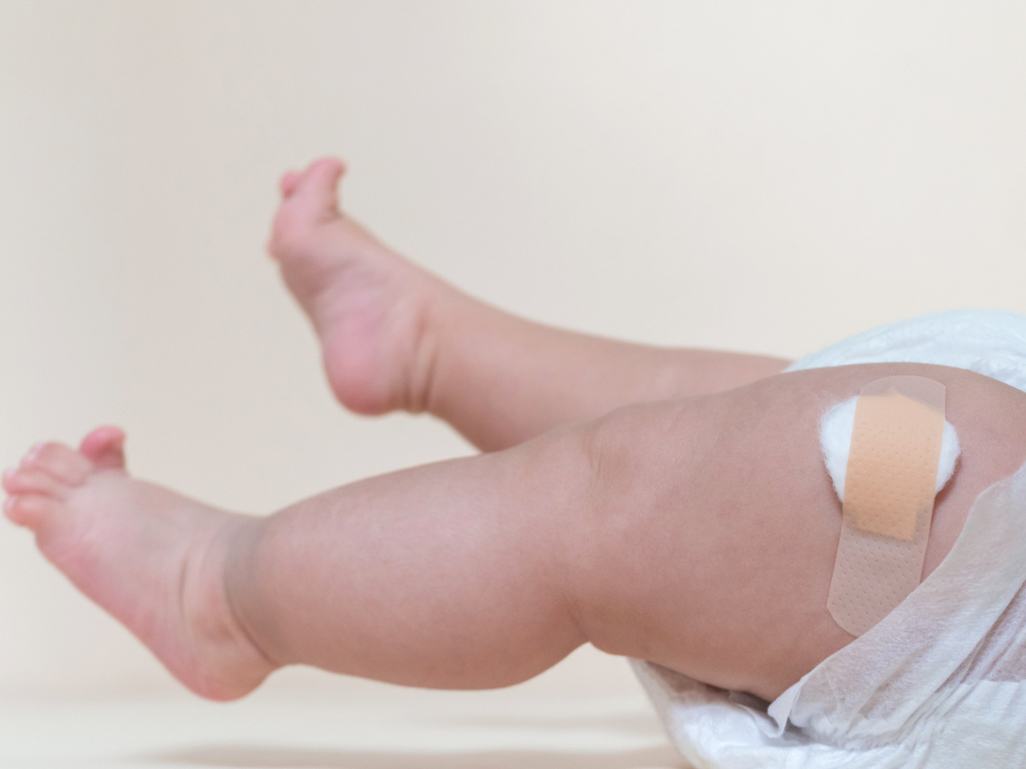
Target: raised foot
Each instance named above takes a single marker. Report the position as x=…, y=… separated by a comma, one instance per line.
x=373, y=310
x=152, y=558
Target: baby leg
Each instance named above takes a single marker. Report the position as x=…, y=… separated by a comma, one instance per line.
x=395, y=337
x=448, y=575
x=451, y=575
x=699, y=534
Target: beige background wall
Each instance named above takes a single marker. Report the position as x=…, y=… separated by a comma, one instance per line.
x=767, y=177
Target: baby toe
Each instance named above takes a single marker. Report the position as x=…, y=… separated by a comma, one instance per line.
x=31, y=510
x=319, y=184
x=62, y=462
x=104, y=447
x=289, y=182
x=32, y=480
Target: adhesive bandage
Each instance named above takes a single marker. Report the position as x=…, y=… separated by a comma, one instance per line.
x=888, y=452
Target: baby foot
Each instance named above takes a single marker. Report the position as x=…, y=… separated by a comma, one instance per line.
x=152, y=558
x=372, y=309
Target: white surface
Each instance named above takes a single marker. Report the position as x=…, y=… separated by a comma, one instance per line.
x=397, y=729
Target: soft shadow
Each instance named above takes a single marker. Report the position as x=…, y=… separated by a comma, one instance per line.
x=250, y=757
x=630, y=723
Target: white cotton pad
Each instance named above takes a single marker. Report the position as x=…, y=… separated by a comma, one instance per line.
x=835, y=440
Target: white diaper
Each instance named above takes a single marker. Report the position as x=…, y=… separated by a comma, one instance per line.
x=940, y=682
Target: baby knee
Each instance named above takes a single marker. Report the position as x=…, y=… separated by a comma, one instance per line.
x=644, y=452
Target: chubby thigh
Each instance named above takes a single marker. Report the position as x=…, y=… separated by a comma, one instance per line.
x=708, y=538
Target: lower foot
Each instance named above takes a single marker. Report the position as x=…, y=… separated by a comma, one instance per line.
x=372, y=309
x=152, y=558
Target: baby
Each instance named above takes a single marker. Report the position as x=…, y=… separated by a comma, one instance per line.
x=667, y=505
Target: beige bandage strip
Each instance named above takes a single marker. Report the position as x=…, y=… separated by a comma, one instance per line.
x=889, y=488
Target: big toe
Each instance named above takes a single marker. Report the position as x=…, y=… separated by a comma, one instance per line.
x=310, y=198
x=105, y=448
x=319, y=182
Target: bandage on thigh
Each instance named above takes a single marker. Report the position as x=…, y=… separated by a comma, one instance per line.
x=889, y=490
